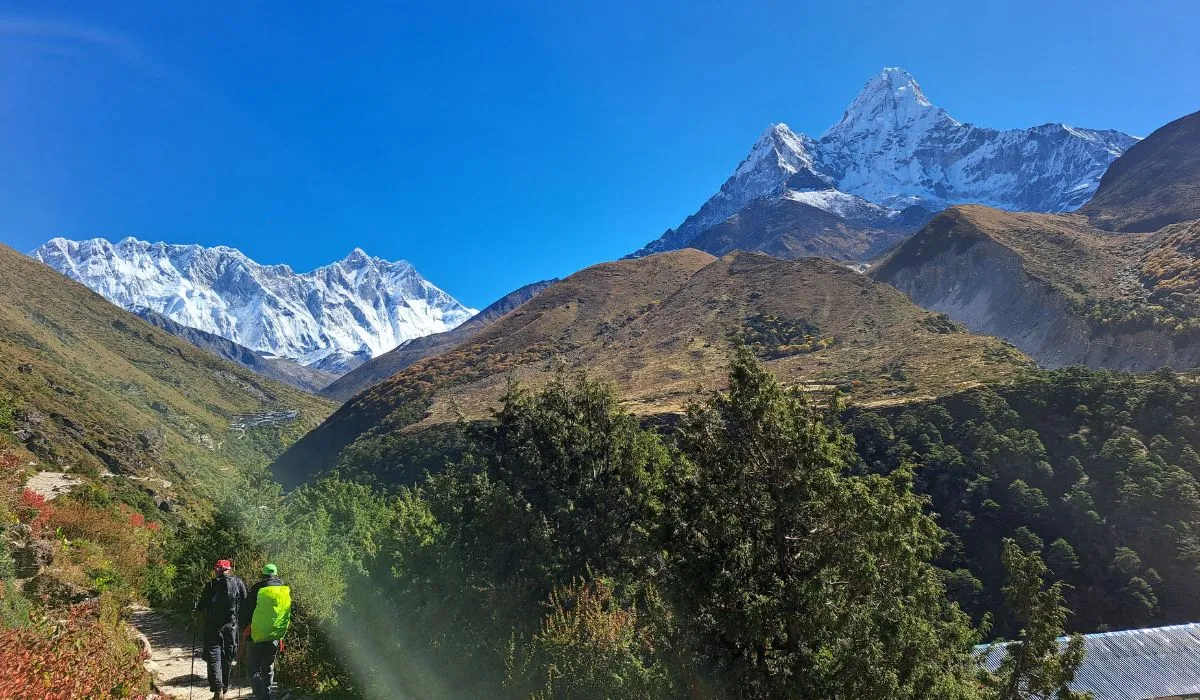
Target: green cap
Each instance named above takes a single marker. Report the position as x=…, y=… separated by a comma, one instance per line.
x=270, y=570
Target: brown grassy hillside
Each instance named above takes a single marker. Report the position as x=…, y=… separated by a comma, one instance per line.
x=662, y=327
x=1060, y=249
x=96, y=389
x=1154, y=184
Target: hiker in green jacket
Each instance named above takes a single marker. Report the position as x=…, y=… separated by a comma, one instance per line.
x=267, y=612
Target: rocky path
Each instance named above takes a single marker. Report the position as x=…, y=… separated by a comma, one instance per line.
x=50, y=484
x=170, y=659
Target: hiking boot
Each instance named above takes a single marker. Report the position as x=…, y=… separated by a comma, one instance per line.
x=219, y=695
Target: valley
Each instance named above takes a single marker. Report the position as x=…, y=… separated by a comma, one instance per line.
x=97, y=390
x=889, y=396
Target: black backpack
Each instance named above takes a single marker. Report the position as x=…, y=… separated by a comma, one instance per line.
x=224, y=603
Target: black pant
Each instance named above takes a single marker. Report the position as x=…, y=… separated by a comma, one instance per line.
x=260, y=660
x=220, y=648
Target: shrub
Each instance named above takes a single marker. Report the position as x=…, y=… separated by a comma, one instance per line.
x=33, y=510
x=772, y=337
x=8, y=407
x=127, y=544
x=590, y=645
x=90, y=654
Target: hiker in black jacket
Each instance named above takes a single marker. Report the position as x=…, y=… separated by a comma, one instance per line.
x=220, y=602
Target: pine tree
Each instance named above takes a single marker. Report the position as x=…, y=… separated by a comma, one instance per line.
x=800, y=579
x=1036, y=665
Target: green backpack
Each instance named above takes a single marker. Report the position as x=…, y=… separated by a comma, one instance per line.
x=272, y=613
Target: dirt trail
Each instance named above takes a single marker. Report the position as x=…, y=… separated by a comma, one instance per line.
x=50, y=485
x=170, y=659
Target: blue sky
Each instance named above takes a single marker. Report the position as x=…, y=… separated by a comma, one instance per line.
x=496, y=144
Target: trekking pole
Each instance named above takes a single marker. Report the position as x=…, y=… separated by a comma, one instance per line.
x=192, y=672
x=242, y=670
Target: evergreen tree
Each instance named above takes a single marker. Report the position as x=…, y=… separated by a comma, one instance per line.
x=799, y=579
x=1036, y=665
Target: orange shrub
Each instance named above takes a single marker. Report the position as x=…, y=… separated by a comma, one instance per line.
x=124, y=538
x=88, y=655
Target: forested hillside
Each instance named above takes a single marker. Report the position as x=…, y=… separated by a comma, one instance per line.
x=566, y=551
x=1097, y=470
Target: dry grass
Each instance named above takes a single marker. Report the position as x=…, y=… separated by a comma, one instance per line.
x=660, y=329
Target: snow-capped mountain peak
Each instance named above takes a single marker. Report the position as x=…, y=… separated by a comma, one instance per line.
x=895, y=84
x=777, y=149
x=894, y=148
x=334, y=317
x=359, y=257
x=891, y=101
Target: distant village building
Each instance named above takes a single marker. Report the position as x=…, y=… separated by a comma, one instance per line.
x=1162, y=663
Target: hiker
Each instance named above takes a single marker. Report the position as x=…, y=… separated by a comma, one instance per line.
x=220, y=602
x=267, y=613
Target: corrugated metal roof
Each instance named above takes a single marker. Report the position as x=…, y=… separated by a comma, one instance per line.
x=1134, y=664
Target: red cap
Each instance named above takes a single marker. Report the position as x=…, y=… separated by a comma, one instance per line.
x=223, y=565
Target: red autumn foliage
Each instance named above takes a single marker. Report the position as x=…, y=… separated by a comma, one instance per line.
x=136, y=519
x=87, y=655
x=32, y=499
x=8, y=460
x=34, y=510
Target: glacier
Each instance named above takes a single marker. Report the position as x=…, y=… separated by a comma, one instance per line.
x=896, y=150
x=332, y=318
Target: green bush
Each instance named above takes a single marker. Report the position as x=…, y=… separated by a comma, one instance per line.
x=8, y=407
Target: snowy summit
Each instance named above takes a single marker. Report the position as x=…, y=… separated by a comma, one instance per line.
x=332, y=318
x=893, y=148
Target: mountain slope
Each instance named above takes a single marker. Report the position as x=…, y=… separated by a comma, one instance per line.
x=1063, y=290
x=98, y=389
x=894, y=149
x=794, y=225
x=1156, y=183
x=277, y=368
x=1056, y=287
x=332, y=318
x=778, y=155
x=377, y=369
x=661, y=326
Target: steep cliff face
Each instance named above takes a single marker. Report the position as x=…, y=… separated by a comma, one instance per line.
x=280, y=369
x=1040, y=282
